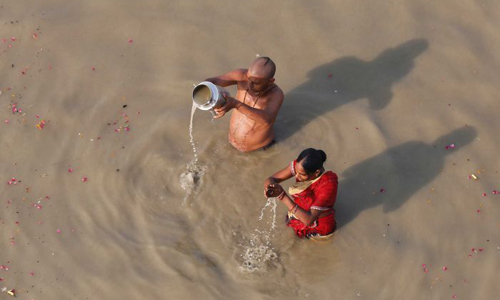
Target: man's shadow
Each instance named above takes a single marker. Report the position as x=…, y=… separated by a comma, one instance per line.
x=392, y=177
x=345, y=80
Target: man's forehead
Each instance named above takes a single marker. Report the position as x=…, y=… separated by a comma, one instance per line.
x=257, y=73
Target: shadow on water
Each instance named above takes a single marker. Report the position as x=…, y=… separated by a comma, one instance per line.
x=345, y=80
x=401, y=171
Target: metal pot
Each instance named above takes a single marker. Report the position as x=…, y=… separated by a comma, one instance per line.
x=207, y=96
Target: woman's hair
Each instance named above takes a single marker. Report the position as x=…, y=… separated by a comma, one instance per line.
x=312, y=160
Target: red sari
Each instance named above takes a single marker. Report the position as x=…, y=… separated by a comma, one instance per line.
x=320, y=195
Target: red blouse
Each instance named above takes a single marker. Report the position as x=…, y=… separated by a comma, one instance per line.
x=320, y=195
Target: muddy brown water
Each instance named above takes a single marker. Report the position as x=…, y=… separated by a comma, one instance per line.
x=381, y=87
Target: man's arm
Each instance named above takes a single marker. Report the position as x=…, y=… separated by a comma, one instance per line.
x=228, y=79
x=263, y=116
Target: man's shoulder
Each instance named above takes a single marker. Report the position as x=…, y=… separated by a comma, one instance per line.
x=242, y=73
x=240, y=78
x=277, y=93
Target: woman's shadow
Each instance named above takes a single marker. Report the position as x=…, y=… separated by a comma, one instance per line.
x=392, y=177
x=345, y=80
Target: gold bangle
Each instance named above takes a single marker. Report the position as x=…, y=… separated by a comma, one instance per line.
x=295, y=207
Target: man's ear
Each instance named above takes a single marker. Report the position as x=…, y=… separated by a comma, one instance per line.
x=272, y=80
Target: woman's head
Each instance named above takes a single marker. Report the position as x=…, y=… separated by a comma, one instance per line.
x=309, y=164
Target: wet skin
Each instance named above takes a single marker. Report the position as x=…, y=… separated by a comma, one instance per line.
x=255, y=107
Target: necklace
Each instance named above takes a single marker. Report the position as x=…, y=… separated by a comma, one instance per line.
x=258, y=95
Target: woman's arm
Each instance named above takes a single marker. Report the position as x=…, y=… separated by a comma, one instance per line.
x=280, y=176
x=304, y=216
x=276, y=178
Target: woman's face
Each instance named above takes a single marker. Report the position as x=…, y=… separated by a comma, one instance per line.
x=301, y=174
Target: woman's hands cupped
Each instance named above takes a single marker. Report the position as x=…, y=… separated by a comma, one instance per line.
x=273, y=190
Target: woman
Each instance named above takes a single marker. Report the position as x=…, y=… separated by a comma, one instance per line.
x=310, y=207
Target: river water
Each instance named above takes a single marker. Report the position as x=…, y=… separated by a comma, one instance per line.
x=107, y=199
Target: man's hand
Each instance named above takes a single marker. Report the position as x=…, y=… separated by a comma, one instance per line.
x=230, y=104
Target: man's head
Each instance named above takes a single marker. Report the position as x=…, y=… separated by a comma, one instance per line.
x=261, y=74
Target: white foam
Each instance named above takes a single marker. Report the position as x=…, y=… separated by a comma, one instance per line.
x=258, y=252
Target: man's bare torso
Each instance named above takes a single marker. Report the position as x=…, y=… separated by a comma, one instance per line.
x=246, y=134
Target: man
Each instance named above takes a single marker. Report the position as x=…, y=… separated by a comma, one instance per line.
x=255, y=106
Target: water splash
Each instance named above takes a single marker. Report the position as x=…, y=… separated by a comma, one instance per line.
x=192, y=178
x=258, y=252
x=271, y=202
x=191, y=139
